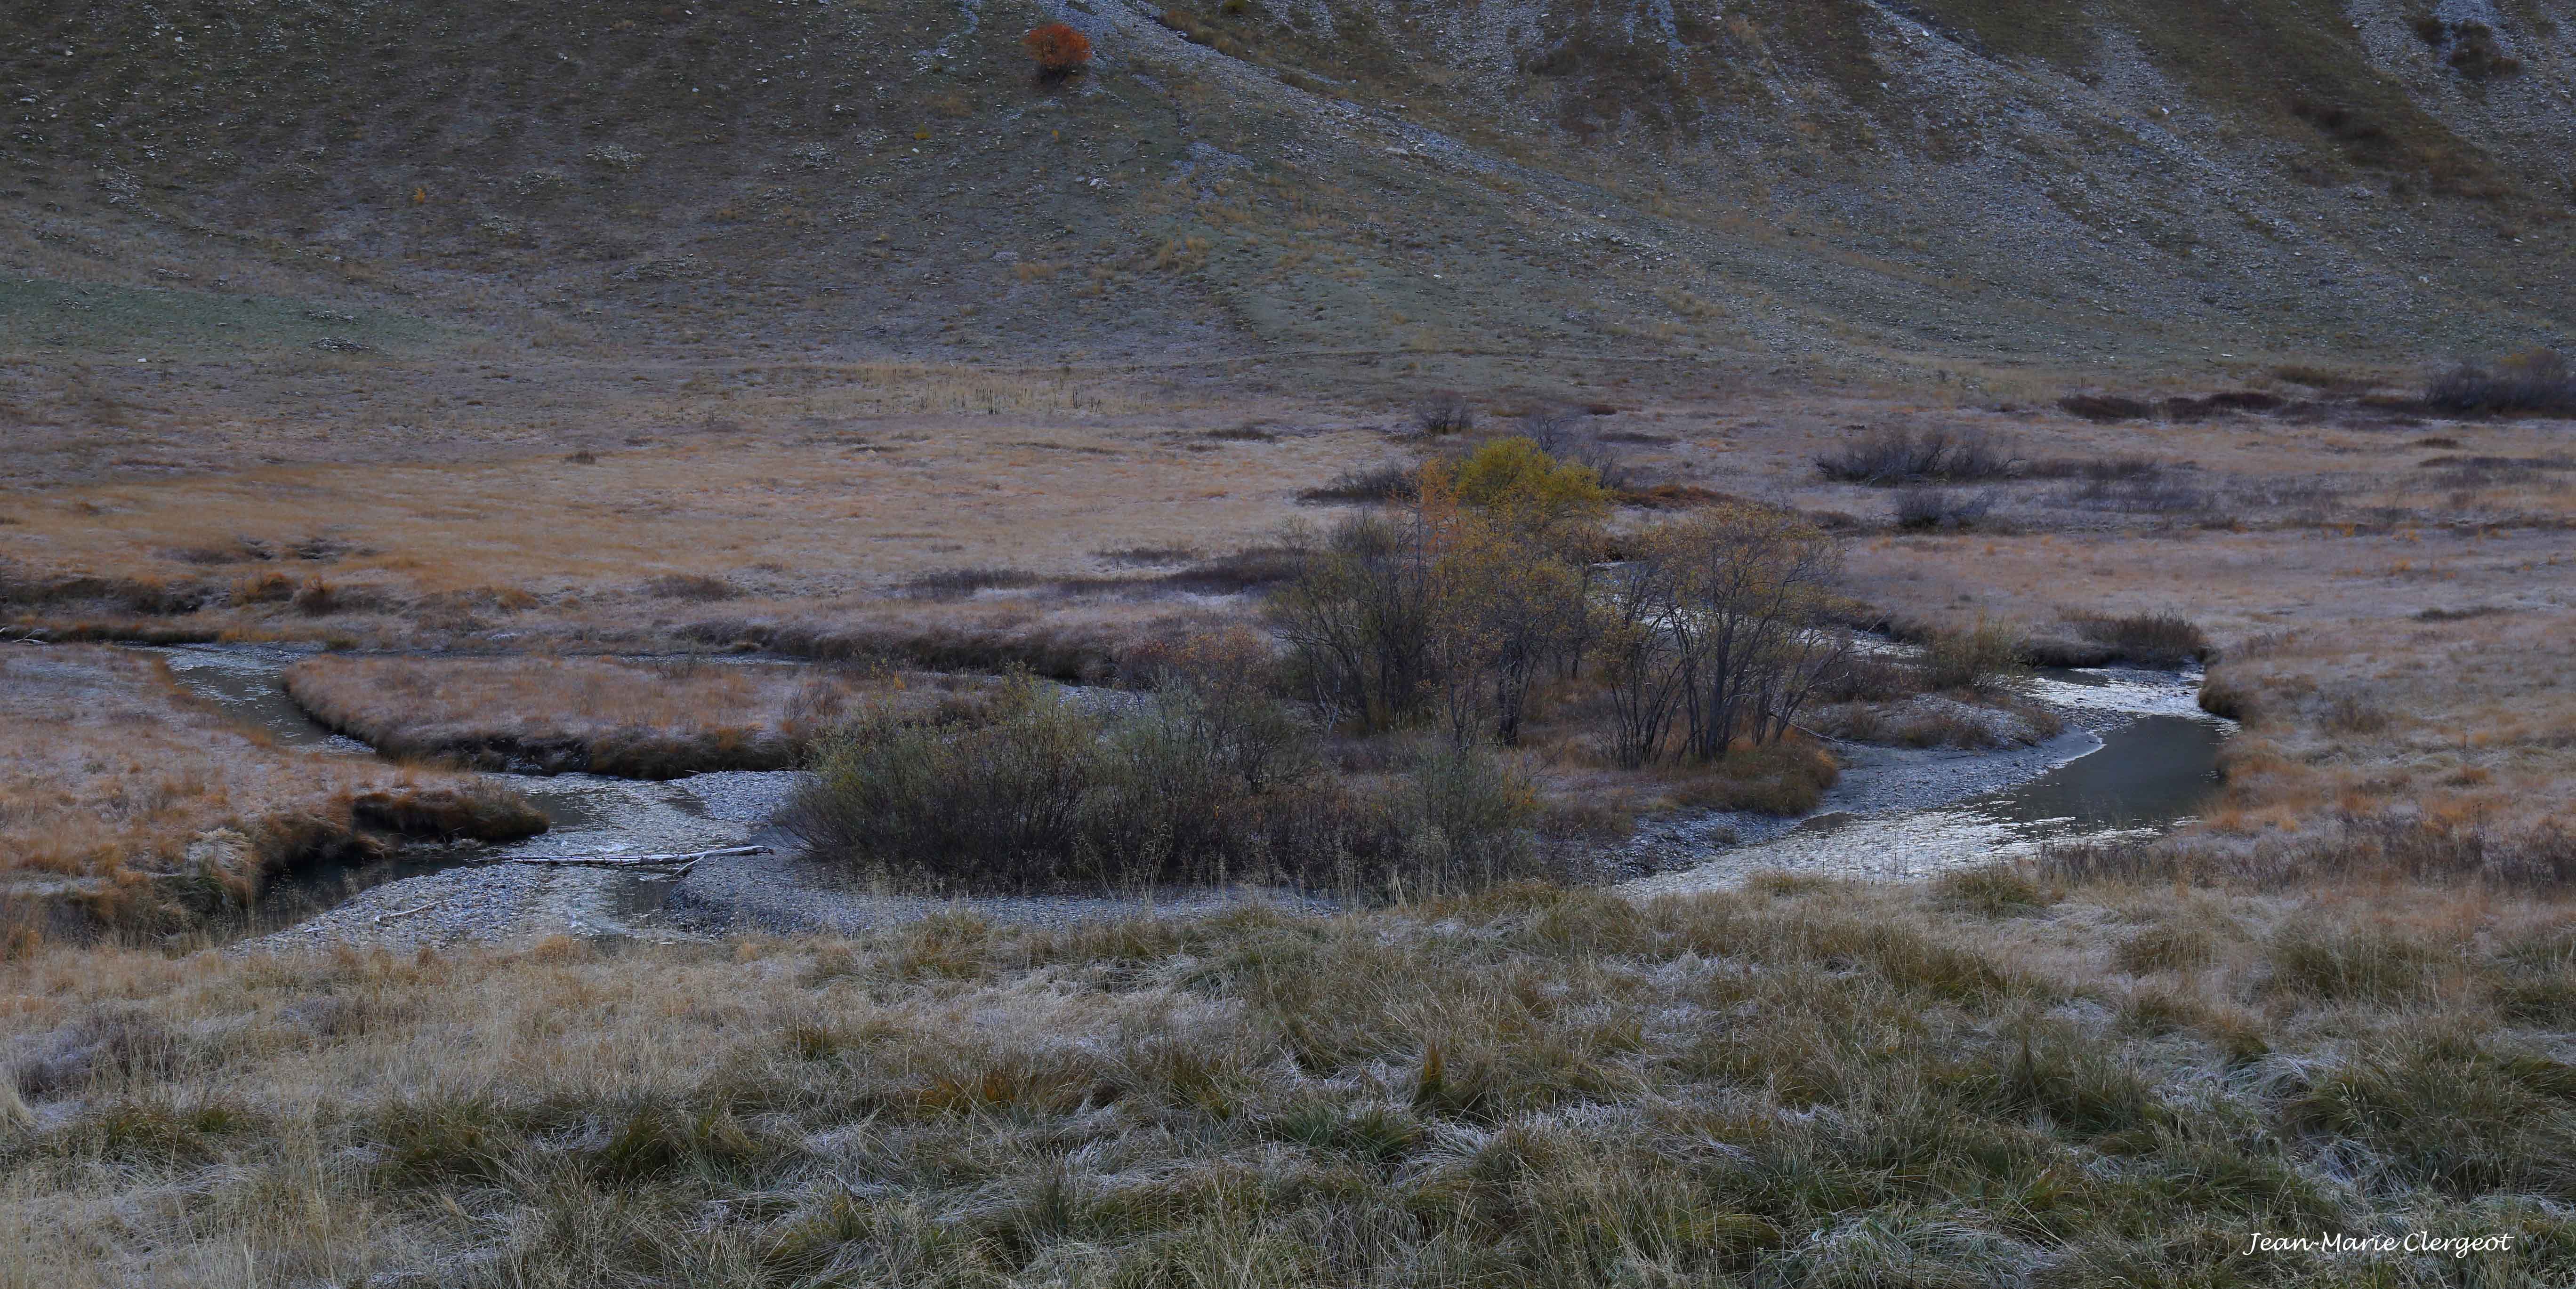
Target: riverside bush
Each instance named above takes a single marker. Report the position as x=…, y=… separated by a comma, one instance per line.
x=1185, y=786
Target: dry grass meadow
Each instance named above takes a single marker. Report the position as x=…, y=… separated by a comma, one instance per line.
x=2339, y=1003
x=635, y=719
x=1983, y=1082
x=656, y=388
x=127, y=800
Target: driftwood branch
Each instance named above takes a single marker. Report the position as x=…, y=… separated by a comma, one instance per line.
x=625, y=861
x=383, y=918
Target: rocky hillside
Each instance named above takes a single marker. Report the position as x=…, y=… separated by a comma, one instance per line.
x=1953, y=184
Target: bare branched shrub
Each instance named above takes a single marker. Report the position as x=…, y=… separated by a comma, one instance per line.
x=1446, y=412
x=1358, y=623
x=1387, y=481
x=1718, y=630
x=1894, y=456
x=1189, y=786
x=2536, y=381
x=1565, y=433
x=1941, y=509
x=1457, y=602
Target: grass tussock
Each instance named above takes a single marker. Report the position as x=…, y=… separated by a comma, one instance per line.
x=1804, y=1084
x=1369, y=484
x=2148, y=639
x=2405, y=845
x=1983, y=657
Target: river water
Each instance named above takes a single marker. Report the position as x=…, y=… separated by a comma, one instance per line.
x=2139, y=758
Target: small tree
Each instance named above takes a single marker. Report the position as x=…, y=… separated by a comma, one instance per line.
x=1059, y=49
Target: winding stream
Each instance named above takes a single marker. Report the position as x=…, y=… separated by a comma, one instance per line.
x=2138, y=756
x=587, y=814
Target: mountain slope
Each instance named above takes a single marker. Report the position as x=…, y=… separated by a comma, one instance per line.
x=1963, y=183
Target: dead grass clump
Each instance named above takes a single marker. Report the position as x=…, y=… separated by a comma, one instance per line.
x=2355, y=963
x=2222, y=695
x=1791, y=1085
x=2355, y=711
x=959, y=583
x=1078, y=651
x=1786, y=778
x=1942, y=509
x=2148, y=639
x=1984, y=657
x=1248, y=569
x=2329, y=379
x=1385, y=482
x=1889, y=457
x=2168, y=946
x=1991, y=890
x=112, y=1046
x=2106, y=407
x=1150, y=555
x=2396, y=845
x=126, y=803
x=2093, y=469
x=2185, y=409
x=1691, y=496
x=698, y=588
x=2150, y=492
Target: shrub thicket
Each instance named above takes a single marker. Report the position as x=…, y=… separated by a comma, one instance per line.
x=1191, y=784
x=2537, y=381
x=1708, y=637
x=1921, y=509
x=1059, y=49
x=1455, y=604
x=1890, y=457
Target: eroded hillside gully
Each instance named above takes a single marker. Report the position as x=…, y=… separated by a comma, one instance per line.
x=2137, y=756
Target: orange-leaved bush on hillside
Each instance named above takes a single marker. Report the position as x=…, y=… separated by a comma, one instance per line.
x=1059, y=49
